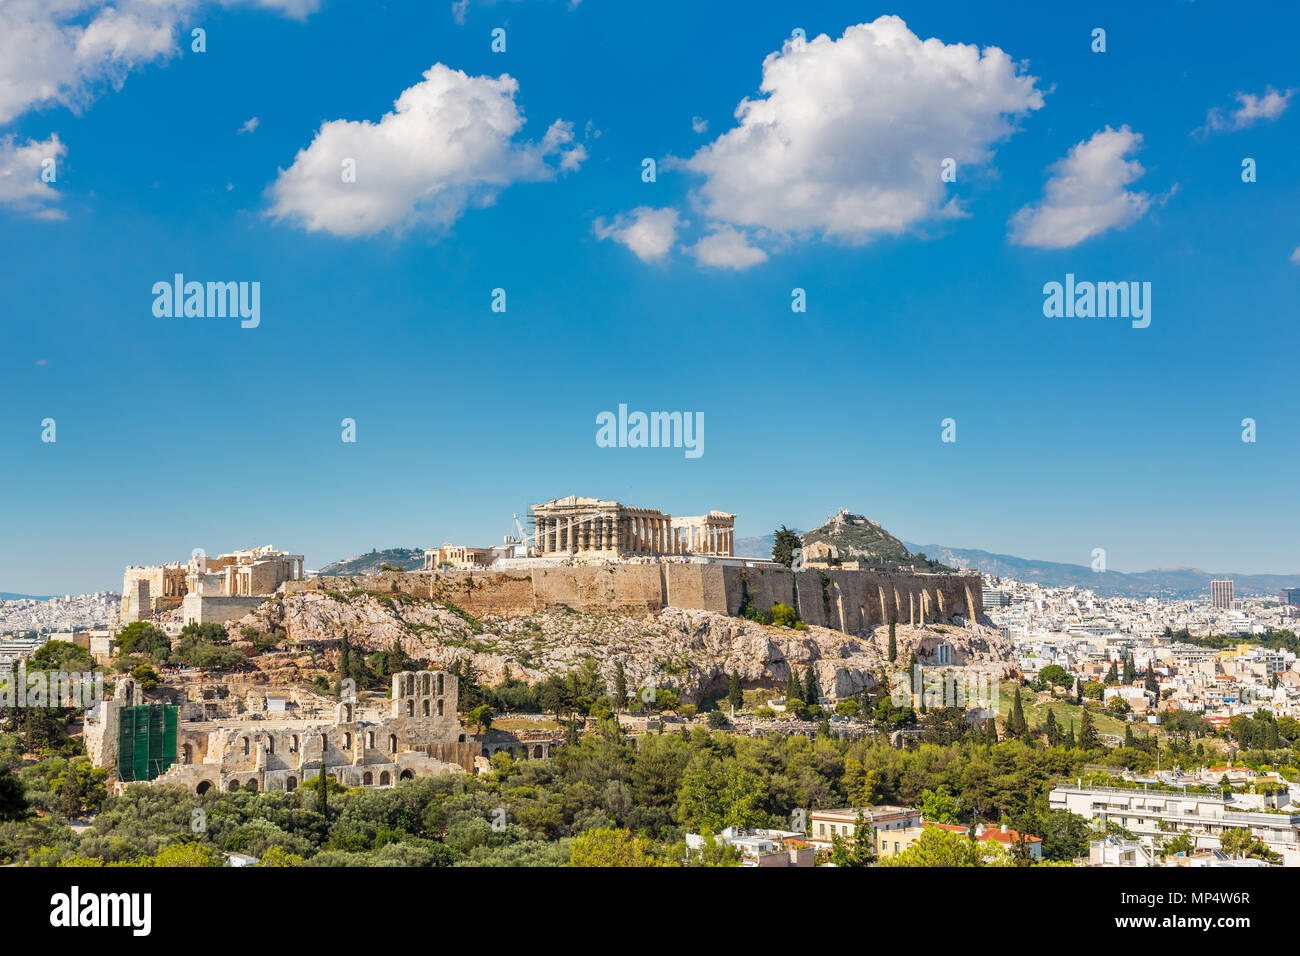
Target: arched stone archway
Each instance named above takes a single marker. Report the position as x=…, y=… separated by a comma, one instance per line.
x=203, y=787
x=406, y=775
x=368, y=779
x=385, y=779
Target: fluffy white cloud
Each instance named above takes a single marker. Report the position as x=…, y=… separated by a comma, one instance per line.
x=21, y=185
x=449, y=142
x=727, y=248
x=849, y=135
x=1250, y=110
x=650, y=233
x=66, y=51
x=1085, y=194
x=250, y=125
x=1295, y=256
x=699, y=124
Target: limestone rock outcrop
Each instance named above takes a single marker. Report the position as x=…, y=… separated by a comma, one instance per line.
x=691, y=651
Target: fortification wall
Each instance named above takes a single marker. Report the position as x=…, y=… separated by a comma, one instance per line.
x=847, y=600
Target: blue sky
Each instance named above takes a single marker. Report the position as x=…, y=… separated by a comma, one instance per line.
x=1072, y=434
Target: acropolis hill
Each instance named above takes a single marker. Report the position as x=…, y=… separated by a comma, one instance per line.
x=664, y=596
x=589, y=555
x=852, y=601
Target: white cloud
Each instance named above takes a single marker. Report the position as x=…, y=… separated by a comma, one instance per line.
x=727, y=248
x=1085, y=195
x=650, y=233
x=21, y=186
x=849, y=135
x=699, y=125
x=67, y=51
x=250, y=125
x=448, y=143
x=1295, y=256
x=1250, y=110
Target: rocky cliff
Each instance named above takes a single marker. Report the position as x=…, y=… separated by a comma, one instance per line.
x=692, y=651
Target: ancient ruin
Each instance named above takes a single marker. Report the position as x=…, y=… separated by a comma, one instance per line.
x=207, y=589
x=276, y=738
x=609, y=530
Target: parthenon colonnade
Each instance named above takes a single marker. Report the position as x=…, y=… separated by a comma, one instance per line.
x=575, y=525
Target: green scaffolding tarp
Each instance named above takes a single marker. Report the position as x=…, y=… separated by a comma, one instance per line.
x=146, y=741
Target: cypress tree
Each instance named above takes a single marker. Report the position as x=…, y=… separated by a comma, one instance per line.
x=345, y=661
x=1053, y=732
x=1152, y=684
x=1130, y=671
x=893, y=641
x=1069, y=737
x=811, y=691
x=792, y=689
x=1112, y=675
x=1018, y=726
x=620, y=685
x=735, y=694
x=1087, y=735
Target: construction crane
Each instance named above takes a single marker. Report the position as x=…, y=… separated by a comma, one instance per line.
x=521, y=539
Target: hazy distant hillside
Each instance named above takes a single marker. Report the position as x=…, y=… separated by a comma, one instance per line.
x=408, y=559
x=760, y=547
x=1183, y=583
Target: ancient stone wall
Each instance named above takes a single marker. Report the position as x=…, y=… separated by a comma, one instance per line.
x=848, y=600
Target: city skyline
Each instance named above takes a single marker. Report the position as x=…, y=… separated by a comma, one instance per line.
x=928, y=306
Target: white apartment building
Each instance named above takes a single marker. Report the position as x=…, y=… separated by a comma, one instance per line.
x=1159, y=814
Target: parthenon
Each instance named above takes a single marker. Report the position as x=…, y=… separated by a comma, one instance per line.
x=591, y=527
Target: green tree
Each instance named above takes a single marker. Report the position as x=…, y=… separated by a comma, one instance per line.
x=480, y=717
x=784, y=544
x=620, y=686
x=783, y=615
x=939, y=806
x=1087, y=734
x=141, y=637
x=716, y=798
x=613, y=847
x=735, y=693
x=857, y=851
x=939, y=847
x=13, y=804
x=811, y=692
x=1017, y=725
x=792, y=689
x=1054, y=675
x=893, y=640
x=1052, y=729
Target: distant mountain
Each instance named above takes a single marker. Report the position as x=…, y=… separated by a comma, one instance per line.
x=1177, y=583
x=408, y=559
x=9, y=596
x=760, y=547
